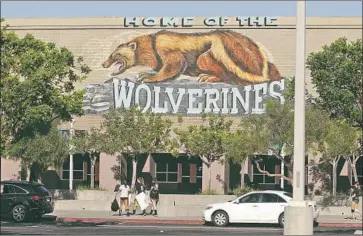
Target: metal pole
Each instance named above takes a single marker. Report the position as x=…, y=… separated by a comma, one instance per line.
x=299, y=119
x=71, y=131
x=282, y=180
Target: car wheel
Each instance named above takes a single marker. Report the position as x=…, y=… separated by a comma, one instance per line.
x=220, y=219
x=19, y=213
x=282, y=220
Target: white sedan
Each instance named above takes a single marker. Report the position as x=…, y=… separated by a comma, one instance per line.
x=254, y=207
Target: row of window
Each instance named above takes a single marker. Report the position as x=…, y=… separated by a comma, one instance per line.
x=264, y=198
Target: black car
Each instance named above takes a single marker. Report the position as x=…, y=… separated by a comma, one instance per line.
x=22, y=200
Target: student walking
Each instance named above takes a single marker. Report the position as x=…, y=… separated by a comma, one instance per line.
x=355, y=200
x=154, y=196
x=124, y=191
x=140, y=189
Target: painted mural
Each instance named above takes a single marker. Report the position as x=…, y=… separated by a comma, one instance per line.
x=219, y=70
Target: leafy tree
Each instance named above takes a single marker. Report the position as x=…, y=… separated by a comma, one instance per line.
x=92, y=143
x=336, y=72
x=250, y=139
x=277, y=126
x=340, y=141
x=132, y=133
x=37, y=86
x=41, y=152
x=206, y=141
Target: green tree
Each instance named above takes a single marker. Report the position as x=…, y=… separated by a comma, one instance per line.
x=249, y=139
x=92, y=143
x=336, y=73
x=277, y=126
x=41, y=152
x=340, y=141
x=37, y=86
x=206, y=141
x=131, y=133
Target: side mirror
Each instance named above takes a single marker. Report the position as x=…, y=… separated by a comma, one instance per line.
x=235, y=202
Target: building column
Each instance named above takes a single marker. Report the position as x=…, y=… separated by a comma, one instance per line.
x=219, y=177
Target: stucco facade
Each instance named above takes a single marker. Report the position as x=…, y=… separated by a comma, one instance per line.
x=96, y=38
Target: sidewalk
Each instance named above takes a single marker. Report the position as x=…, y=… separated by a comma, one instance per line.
x=112, y=217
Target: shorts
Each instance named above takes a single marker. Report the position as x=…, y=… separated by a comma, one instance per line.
x=355, y=205
x=124, y=201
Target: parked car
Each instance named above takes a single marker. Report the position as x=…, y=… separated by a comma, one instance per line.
x=23, y=200
x=254, y=207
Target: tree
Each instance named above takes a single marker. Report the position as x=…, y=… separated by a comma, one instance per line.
x=206, y=141
x=277, y=125
x=340, y=141
x=131, y=133
x=251, y=138
x=37, y=86
x=92, y=143
x=336, y=73
x=41, y=152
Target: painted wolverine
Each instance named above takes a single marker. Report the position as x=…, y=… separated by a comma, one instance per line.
x=218, y=56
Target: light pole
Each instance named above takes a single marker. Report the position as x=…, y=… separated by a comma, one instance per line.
x=71, y=133
x=298, y=218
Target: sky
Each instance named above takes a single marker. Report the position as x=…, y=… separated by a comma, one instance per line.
x=48, y=9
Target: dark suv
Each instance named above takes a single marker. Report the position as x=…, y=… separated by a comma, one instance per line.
x=22, y=200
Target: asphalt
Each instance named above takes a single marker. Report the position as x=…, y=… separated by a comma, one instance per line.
x=62, y=228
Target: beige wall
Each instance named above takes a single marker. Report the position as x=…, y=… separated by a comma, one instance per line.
x=96, y=38
x=9, y=169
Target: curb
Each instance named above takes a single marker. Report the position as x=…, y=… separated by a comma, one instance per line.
x=178, y=222
x=341, y=225
x=145, y=221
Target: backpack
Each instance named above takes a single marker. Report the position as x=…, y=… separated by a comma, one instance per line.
x=114, y=205
x=154, y=193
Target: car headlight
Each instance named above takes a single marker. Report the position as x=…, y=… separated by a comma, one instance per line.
x=208, y=208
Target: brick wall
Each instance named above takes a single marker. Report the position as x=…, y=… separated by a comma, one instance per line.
x=96, y=38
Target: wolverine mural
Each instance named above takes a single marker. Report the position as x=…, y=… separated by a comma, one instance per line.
x=219, y=56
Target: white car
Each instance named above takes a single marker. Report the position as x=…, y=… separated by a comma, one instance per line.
x=254, y=207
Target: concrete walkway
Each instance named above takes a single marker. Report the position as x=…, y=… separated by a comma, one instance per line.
x=108, y=216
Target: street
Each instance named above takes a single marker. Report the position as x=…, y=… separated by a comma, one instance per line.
x=57, y=228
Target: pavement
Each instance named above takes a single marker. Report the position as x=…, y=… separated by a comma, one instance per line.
x=112, y=217
x=62, y=228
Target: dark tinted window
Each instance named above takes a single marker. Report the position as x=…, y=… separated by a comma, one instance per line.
x=40, y=189
x=16, y=189
x=269, y=198
x=252, y=198
x=8, y=189
x=281, y=199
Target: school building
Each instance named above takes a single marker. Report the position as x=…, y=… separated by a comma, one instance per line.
x=212, y=64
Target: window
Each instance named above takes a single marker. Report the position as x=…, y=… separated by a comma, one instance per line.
x=166, y=172
x=77, y=168
x=11, y=189
x=40, y=189
x=269, y=198
x=280, y=199
x=251, y=198
x=260, y=178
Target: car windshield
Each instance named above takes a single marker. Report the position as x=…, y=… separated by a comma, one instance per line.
x=288, y=195
x=40, y=189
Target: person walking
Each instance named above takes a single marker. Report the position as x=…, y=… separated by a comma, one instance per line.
x=124, y=198
x=154, y=196
x=140, y=188
x=355, y=200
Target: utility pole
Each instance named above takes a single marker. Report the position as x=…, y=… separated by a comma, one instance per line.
x=71, y=149
x=298, y=218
